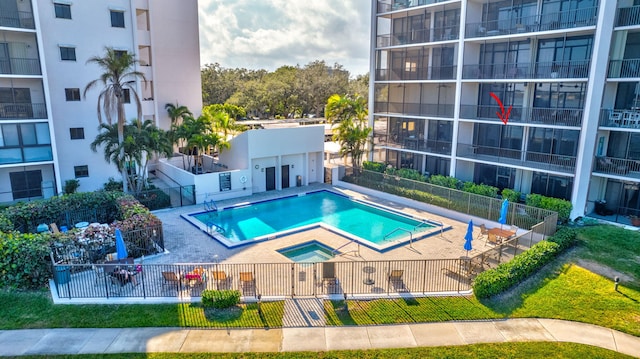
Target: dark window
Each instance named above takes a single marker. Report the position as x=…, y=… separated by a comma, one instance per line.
x=26, y=184
x=117, y=18
x=127, y=96
x=81, y=171
x=68, y=53
x=77, y=133
x=119, y=53
x=63, y=11
x=72, y=94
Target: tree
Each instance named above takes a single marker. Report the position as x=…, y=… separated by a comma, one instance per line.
x=118, y=75
x=352, y=133
x=197, y=135
x=141, y=141
x=219, y=84
x=317, y=82
x=177, y=112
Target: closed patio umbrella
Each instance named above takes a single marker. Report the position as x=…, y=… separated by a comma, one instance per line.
x=468, y=238
x=503, y=212
x=120, y=247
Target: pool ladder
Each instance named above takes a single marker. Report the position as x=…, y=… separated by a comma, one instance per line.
x=333, y=252
x=211, y=226
x=210, y=206
x=427, y=222
x=402, y=229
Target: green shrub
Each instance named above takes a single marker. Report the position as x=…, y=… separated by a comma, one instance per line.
x=481, y=189
x=5, y=224
x=511, y=195
x=24, y=260
x=445, y=181
x=154, y=199
x=563, y=207
x=220, y=299
x=507, y=275
x=113, y=185
x=374, y=166
x=410, y=174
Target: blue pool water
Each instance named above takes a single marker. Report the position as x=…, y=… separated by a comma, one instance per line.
x=261, y=219
x=313, y=252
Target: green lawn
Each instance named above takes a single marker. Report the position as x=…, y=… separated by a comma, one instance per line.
x=561, y=290
x=548, y=350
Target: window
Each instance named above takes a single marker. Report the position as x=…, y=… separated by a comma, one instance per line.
x=127, y=96
x=72, y=94
x=77, y=133
x=63, y=11
x=67, y=53
x=27, y=142
x=119, y=53
x=117, y=18
x=81, y=171
x=26, y=184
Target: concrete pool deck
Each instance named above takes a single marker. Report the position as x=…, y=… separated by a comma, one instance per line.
x=188, y=244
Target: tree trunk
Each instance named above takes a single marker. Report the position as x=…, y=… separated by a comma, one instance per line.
x=121, y=121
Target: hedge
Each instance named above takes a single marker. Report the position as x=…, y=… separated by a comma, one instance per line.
x=220, y=299
x=507, y=275
x=24, y=260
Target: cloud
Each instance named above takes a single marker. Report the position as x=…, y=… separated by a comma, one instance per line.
x=267, y=34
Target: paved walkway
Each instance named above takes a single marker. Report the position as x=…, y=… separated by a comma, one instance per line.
x=173, y=340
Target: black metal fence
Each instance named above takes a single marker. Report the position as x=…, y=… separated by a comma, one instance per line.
x=280, y=280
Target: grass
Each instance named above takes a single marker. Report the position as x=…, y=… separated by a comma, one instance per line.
x=36, y=310
x=550, y=350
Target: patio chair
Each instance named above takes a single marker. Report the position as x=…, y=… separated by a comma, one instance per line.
x=171, y=279
x=247, y=284
x=492, y=240
x=329, y=274
x=220, y=277
x=99, y=273
x=483, y=231
x=395, y=279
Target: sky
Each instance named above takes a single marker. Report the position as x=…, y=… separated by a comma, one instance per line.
x=268, y=34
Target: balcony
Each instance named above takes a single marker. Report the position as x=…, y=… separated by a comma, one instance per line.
x=417, y=109
x=23, y=111
x=536, y=160
x=620, y=118
x=419, y=36
x=427, y=73
x=546, y=22
x=628, y=16
x=414, y=143
x=389, y=5
x=617, y=167
x=20, y=66
x=19, y=19
x=628, y=68
x=539, y=70
x=533, y=115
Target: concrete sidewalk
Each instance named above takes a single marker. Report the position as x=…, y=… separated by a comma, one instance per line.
x=173, y=340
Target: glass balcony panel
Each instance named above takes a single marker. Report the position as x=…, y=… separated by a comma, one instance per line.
x=22, y=110
x=37, y=154
x=19, y=19
x=10, y=155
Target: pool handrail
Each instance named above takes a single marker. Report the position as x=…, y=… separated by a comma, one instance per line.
x=429, y=222
x=402, y=229
x=351, y=240
x=210, y=206
x=218, y=228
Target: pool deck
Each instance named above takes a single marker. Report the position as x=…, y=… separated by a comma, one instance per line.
x=187, y=244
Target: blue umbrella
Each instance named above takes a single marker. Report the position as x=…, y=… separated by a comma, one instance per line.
x=503, y=211
x=120, y=247
x=468, y=237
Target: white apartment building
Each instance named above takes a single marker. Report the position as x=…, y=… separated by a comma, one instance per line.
x=569, y=70
x=46, y=125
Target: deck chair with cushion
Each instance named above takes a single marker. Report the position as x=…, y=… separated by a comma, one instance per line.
x=329, y=275
x=221, y=278
x=171, y=279
x=247, y=284
x=395, y=279
x=492, y=240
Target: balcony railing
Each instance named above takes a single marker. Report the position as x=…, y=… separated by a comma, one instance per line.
x=19, y=19
x=414, y=143
x=534, y=115
x=620, y=118
x=554, y=69
x=545, y=161
x=435, y=110
x=425, y=73
x=624, y=68
x=526, y=24
x=20, y=66
x=389, y=5
x=616, y=166
x=419, y=36
x=22, y=110
x=628, y=16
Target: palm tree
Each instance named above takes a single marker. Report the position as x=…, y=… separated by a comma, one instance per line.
x=118, y=75
x=177, y=112
x=352, y=132
x=141, y=141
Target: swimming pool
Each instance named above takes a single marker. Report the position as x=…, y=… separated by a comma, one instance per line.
x=372, y=226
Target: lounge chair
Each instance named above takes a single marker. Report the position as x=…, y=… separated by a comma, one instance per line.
x=247, y=284
x=220, y=277
x=395, y=278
